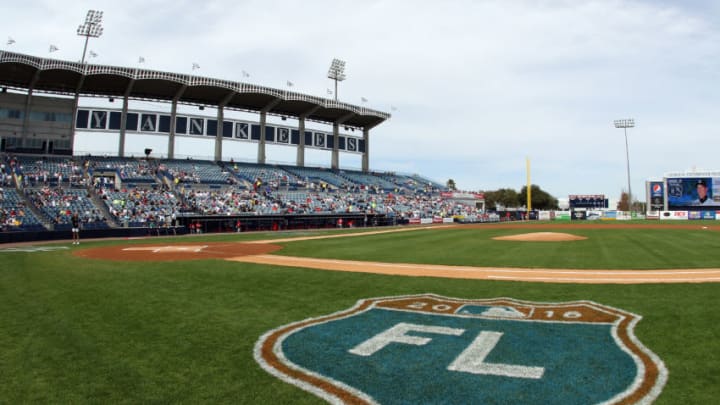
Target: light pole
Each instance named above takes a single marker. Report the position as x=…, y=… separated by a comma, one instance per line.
x=625, y=124
x=337, y=73
x=91, y=28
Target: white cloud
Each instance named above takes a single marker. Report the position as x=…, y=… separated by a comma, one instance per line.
x=479, y=86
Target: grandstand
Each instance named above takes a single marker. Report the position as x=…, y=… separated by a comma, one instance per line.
x=115, y=192
x=110, y=193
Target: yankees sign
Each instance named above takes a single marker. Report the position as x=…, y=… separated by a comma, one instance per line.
x=435, y=350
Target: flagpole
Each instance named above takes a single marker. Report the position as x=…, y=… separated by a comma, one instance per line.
x=529, y=187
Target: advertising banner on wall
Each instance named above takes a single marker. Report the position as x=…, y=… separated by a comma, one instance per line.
x=562, y=215
x=677, y=215
x=657, y=195
x=709, y=215
x=693, y=193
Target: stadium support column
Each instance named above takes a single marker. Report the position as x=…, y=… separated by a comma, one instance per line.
x=220, y=126
x=219, y=135
x=336, y=138
x=173, y=129
x=335, y=164
x=173, y=122
x=28, y=105
x=123, y=119
x=123, y=127
x=76, y=102
x=263, y=122
x=261, y=143
x=26, y=117
x=300, y=161
x=366, y=153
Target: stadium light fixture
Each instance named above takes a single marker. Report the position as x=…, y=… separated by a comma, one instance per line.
x=91, y=28
x=625, y=124
x=337, y=73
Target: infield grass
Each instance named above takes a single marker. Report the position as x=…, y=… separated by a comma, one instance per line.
x=75, y=330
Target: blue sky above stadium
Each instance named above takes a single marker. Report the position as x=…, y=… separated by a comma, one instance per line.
x=475, y=87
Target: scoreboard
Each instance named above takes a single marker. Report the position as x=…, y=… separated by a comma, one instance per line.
x=588, y=201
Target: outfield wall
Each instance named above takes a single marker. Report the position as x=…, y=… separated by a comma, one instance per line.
x=217, y=224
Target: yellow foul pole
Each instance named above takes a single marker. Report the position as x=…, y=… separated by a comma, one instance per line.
x=529, y=188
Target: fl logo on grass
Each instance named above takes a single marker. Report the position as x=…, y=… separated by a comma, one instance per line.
x=428, y=349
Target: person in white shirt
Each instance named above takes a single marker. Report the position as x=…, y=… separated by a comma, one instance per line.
x=702, y=192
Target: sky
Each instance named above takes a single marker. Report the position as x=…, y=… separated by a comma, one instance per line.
x=476, y=88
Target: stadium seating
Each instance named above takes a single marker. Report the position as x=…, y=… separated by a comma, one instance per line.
x=314, y=177
x=15, y=215
x=367, y=180
x=36, y=171
x=273, y=176
x=141, y=207
x=152, y=191
x=59, y=203
x=128, y=169
x=197, y=172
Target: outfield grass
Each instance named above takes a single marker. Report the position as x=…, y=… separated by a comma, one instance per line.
x=90, y=331
x=603, y=248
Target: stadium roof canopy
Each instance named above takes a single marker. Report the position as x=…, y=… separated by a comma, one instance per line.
x=24, y=72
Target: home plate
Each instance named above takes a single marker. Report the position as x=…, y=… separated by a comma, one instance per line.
x=168, y=249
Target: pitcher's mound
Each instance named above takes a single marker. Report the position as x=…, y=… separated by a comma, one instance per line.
x=542, y=237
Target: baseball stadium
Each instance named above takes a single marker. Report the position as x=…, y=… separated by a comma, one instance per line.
x=153, y=277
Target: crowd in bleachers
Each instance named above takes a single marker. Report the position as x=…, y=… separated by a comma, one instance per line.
x=128, y=169
x=36, y=171
x=14, y=214
x=196, y=172
x=228, y=201
x=141, y=207
x=171, y=188
x=274, y=177
x=59, y=203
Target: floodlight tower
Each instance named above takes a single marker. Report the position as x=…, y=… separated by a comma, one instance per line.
x=91, y=28
x=625, y=124
x=337, y=73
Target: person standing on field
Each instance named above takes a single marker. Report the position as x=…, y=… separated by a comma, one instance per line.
x=75, y=222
